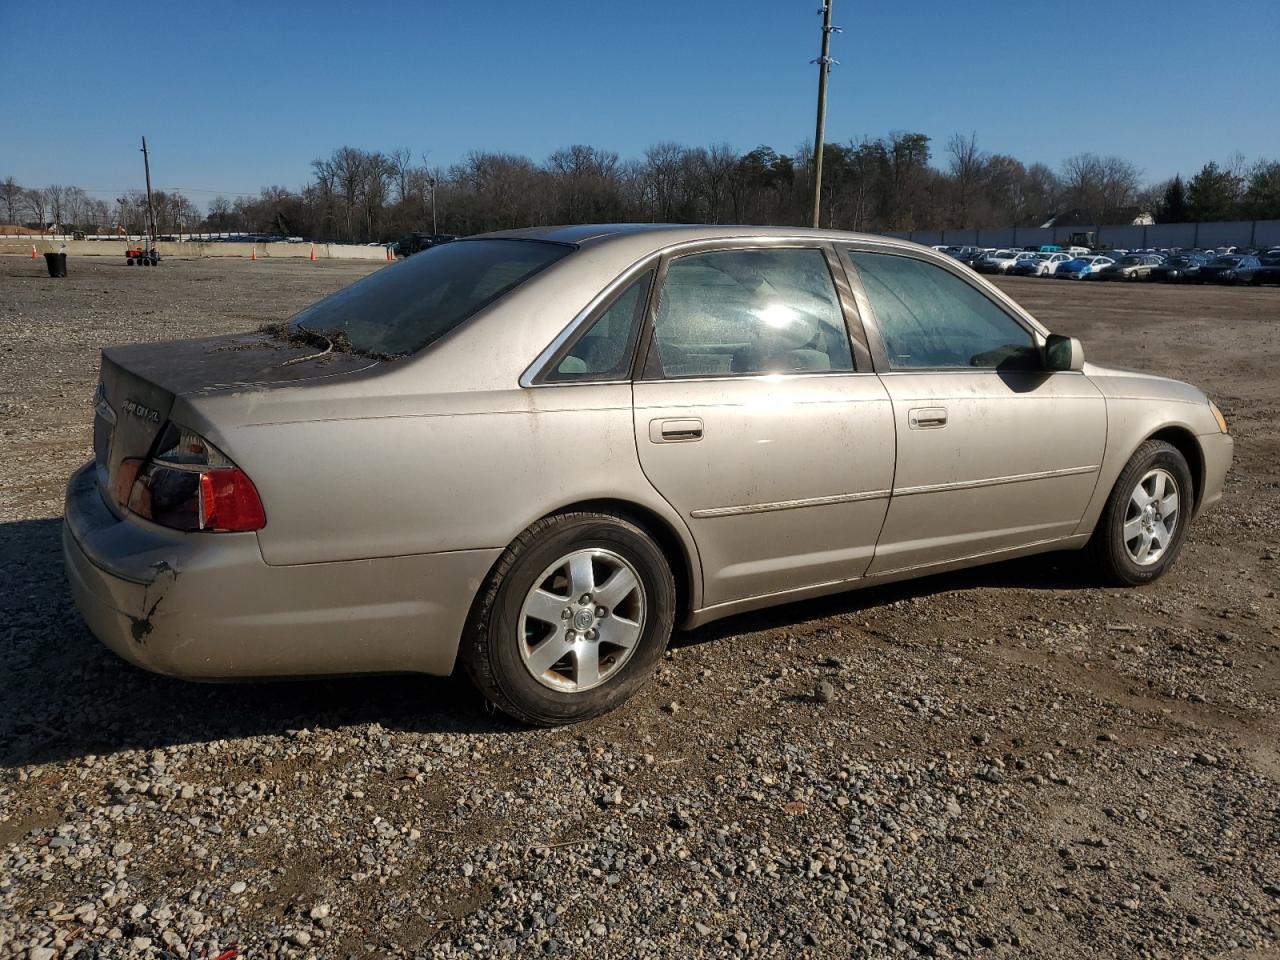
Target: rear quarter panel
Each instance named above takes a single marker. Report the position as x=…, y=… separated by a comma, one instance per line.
x=462, y=471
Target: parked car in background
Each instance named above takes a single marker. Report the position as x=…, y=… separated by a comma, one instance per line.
x=1180, y=266
x=962, y=253
x=1080, y=267
x=1078, y=251
x=978, y=254
x=533, y=454
x=416, y=242
x=1039, y=265
x=1268, y=269
x=1001, y=260
x=1233, y=268
x=1131, y=267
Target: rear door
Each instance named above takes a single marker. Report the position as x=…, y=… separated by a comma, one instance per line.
x=994, y=451
x=761, y=421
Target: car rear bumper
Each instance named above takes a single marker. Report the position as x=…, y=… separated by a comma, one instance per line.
x=206, y=606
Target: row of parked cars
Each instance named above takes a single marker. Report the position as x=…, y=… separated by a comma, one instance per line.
x=1221, y=265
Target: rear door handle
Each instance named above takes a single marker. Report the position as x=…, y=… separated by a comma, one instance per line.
x=926, y=418
x=675, y=431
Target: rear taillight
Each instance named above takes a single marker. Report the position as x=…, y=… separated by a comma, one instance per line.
x=189, y=484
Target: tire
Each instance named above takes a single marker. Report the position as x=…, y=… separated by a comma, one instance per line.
x=1120, y=558
x=504, y=643
x=129, y=261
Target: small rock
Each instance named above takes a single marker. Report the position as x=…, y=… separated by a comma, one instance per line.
x=825, y=692
x=238, y=888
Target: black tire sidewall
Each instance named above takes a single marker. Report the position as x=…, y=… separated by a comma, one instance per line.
x=1153, y=454
x=539, y=703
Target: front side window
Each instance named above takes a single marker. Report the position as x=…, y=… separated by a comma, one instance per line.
x=746, y=312
x=405, y=307
x=928, y=317
x=604, y=351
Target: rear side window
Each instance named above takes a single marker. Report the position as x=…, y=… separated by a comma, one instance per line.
x=405, y=307
x=744, y=312
x=928, y=317
x=604, y=351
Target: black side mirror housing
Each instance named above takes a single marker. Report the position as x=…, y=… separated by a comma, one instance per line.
x=1063, y=353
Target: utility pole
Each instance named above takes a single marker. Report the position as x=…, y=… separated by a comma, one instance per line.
x=151, y=210
x=824, y=63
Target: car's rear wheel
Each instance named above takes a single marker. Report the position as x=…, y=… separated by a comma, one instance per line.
x=1144, y=523
x=573, y=620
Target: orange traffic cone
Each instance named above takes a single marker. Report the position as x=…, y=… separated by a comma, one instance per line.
x=33, y=251
x=313, y=253
x=253, y=253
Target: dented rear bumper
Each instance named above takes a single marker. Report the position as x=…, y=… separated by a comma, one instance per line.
x=207, y=606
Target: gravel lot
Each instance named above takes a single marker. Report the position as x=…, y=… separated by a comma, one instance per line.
x=1003, y=762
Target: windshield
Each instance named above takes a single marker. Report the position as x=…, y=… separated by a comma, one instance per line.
x=401, y=309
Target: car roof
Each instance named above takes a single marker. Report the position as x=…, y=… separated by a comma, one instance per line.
x=659, y=235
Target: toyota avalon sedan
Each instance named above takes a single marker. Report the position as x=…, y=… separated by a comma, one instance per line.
x=534, y=454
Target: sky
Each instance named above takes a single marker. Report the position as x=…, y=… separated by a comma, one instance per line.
x=234, y=96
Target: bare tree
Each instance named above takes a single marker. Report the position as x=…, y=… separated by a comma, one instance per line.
x=401, y=164
x=713, y=169
x=13, y=197
x=662, y=164
x=75, y=207
x=53, y=202
x=967, y=166
x=1121, y=181
x=38, y=206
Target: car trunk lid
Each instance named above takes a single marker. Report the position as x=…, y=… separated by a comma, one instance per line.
x=139, y=383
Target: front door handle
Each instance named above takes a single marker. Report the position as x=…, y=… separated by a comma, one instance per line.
x=675, y=431
x=927, y=418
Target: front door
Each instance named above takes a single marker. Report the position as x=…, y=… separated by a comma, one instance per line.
x=753, y=420
x=994, y=452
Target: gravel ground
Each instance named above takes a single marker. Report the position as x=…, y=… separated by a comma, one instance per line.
x=1003, y=762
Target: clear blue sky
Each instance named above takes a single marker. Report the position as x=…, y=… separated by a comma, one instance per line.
x=234, y=96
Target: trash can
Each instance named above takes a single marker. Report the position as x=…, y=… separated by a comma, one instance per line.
x=57, y=264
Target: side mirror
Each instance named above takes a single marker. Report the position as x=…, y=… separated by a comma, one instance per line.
x=1063, y=353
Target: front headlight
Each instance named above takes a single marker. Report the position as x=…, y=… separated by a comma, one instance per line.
x=1217, y=415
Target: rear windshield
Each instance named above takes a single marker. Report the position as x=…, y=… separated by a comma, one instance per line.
x=403, y=308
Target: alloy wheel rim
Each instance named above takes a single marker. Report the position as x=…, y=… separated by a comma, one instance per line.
x=1151, y=517
x=581, y=621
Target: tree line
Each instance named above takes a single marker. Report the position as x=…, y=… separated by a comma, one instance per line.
x=894, y=182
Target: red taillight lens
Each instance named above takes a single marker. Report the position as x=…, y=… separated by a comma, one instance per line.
x=229, y=501
x=190, y=485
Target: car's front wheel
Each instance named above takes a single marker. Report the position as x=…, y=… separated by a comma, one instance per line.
x=1145, y=520
x=573, y=620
